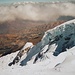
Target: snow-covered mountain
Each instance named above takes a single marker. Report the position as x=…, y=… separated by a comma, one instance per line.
x=54, y=54
x=32, y=2
x=55, y=41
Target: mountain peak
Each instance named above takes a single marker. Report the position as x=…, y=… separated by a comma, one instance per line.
x=54, y=54
x=60, y=37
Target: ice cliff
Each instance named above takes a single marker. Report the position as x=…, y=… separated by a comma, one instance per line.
x=55, y=41
x=54, y=54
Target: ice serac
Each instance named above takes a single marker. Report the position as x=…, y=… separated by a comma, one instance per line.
x=55, y=41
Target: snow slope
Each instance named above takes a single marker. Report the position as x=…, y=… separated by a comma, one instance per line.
x=54, y=54
x=45, y=67
x=60, y=38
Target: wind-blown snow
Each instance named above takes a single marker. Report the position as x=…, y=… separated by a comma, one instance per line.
x=54, y=55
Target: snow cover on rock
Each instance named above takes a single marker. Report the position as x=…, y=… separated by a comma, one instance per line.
x=54, y=55
x=28, y=44
x=58, y=40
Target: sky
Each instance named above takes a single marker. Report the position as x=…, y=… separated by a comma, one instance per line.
x=11, y=1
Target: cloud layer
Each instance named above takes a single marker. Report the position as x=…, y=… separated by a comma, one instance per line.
x=36, y=12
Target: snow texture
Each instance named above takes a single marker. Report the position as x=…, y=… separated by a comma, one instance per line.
x=54, y=54
x=63, y=36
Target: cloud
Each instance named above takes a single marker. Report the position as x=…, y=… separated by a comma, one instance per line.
x=36, y=12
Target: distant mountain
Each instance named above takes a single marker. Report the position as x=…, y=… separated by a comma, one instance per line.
x=17, y=25
x=66, y=18
x=54, y=54
x=14, y=34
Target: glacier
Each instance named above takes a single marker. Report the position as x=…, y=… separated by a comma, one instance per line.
x=62, y=37
x=54, y=54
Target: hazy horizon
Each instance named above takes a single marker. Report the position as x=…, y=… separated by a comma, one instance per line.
x=9, y=1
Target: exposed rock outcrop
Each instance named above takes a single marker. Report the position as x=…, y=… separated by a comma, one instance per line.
x=23, y=51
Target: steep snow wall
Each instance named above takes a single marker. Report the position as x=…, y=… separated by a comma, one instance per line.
x=60, y=38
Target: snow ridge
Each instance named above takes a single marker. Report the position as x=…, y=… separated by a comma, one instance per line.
x=62, y=36
x=54, y=54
